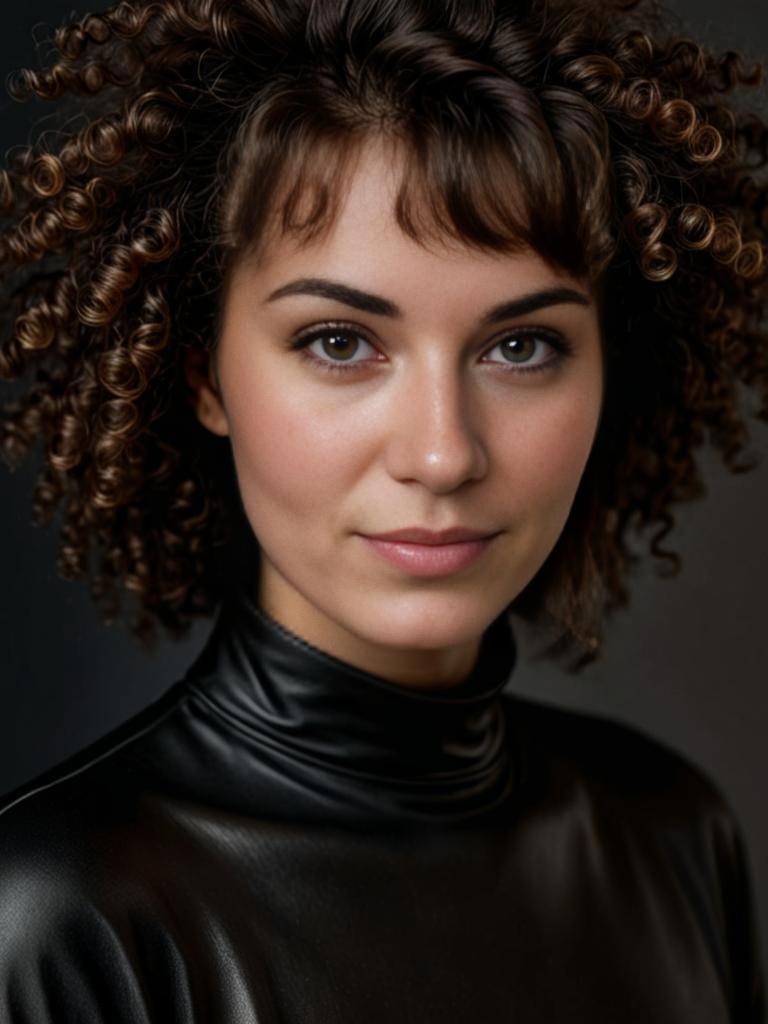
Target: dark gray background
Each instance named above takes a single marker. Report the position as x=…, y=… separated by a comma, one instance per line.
x=687, y=662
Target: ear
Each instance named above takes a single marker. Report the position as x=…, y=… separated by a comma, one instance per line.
x=203, y=392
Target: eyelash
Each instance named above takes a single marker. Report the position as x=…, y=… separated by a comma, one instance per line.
x=562, y=347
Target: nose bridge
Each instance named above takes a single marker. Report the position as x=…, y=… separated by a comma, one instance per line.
x=436, y=437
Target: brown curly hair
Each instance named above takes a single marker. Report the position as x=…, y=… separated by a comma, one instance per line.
x=591, y=131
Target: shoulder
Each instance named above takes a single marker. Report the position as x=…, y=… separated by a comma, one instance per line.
x=48, y=919
x=55, y=817
x=56, y=827
x=650, y=809
x=640, y=798
x=101, y=763
x=72, y=844
x=63, y=809
x=622, y=768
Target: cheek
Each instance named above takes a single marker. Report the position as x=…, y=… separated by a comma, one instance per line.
x=550, y=450
x=292, y=459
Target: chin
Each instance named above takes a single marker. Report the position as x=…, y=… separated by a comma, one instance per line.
x=427, y=622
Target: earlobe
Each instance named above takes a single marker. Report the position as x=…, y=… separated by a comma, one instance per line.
x=203, y=394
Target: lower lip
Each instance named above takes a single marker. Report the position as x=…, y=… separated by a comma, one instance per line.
x=430, y=559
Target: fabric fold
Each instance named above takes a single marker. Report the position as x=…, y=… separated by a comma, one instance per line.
x=337, y=730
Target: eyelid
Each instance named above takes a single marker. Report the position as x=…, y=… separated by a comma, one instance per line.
x=331, y=325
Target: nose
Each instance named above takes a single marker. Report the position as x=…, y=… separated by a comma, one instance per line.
x=435, y=429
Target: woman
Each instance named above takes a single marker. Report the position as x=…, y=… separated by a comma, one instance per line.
x=365, y=325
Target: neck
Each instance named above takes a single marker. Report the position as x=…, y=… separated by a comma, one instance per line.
x=347, y=744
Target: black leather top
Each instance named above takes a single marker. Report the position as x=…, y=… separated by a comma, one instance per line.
x=284, y=838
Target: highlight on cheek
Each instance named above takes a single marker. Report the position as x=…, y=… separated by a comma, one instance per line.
x=524, y=350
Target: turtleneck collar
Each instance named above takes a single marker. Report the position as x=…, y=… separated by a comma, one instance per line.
x=341, y=743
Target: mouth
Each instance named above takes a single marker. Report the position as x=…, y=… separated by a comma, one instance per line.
x=430, y=559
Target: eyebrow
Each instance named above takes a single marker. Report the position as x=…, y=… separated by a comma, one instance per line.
x=380, y=306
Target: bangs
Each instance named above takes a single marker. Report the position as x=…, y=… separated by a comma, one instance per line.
x=535, y=176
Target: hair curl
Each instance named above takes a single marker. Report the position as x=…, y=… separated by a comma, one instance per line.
x=204, y=122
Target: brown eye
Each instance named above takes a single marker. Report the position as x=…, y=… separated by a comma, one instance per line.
x=518, y=350
x=339, y=343
x=333, y=347
x=527, y=351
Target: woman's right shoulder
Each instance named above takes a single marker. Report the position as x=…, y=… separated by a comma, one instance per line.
x=72, y=840
x=63, y=952
x=51, y=823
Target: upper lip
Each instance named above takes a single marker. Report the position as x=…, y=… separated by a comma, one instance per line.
x=418, y=535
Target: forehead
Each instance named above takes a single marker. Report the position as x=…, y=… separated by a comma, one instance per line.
x=364, y=240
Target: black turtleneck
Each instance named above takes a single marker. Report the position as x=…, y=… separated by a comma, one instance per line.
x=283, y=837
x=341, y=744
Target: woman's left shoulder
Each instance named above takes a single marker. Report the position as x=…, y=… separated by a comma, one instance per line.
x=652, y=820
x=623, y=766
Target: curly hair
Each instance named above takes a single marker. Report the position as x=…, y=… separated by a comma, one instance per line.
x=591, y=131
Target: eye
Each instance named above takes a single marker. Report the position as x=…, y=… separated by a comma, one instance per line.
x=336, y=347
x=525, y=350
x=530, y=349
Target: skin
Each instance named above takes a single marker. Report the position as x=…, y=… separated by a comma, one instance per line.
x=434, y=427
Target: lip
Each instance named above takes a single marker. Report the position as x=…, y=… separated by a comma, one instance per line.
x=430, y=559
x=418, y=535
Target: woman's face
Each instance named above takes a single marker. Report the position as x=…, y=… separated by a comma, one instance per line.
x=418, y=407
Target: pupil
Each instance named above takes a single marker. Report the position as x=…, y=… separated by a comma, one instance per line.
x=519, y=349
x=332, y=348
